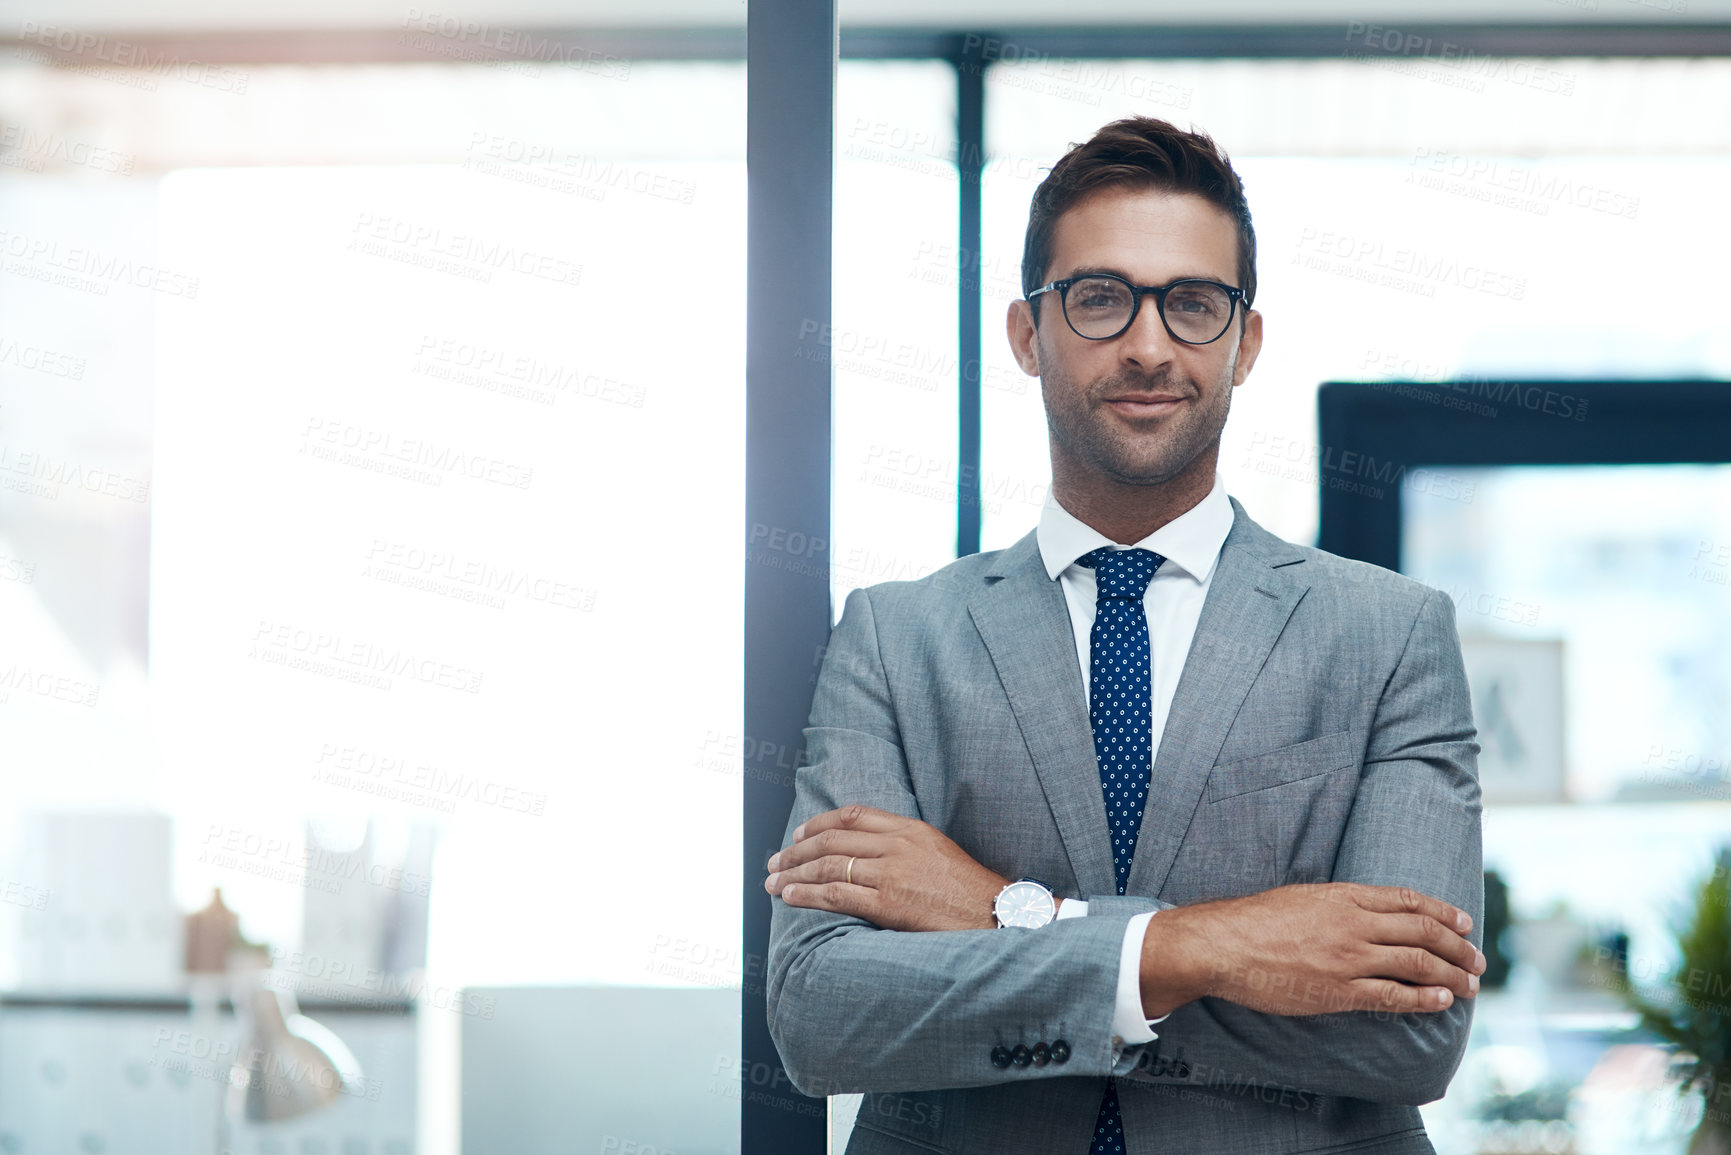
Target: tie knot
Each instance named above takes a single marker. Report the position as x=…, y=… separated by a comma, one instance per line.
x=1122, y=573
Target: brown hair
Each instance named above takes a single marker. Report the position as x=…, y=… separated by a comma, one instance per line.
x=1138, y=151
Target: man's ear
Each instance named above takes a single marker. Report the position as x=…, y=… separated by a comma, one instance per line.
x=1249, y=345
x=1024, y=338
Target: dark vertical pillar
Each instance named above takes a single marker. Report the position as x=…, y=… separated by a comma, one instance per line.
x=970, y=163
x=791, y=52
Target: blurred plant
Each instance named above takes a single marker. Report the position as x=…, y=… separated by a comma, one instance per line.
x=1547, y=1101
x=1691, y=1011
x=1496, y=921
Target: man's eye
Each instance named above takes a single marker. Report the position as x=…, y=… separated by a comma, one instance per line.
x=1101, y=299
x=1198, y=304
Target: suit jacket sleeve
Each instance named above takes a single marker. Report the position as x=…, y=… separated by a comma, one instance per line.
x=1414, y=822
x=853, y=1007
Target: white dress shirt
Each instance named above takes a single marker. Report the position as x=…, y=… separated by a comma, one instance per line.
x=1190, y=543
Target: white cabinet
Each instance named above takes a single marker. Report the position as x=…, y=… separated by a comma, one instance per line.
x=134, y=1077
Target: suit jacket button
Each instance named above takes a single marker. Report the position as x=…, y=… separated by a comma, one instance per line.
x=1042, y=1053
x=1060, y=1052
x=1000, y=1056
x=1021, y=1056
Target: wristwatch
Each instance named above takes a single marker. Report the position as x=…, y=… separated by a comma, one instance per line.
x=1026, y=902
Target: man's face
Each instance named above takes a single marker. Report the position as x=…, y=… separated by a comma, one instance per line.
x=1141, y=407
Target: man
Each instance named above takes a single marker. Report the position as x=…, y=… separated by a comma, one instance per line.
x=1286, y=884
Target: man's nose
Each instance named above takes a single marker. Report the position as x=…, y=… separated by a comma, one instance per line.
x=1146, y=342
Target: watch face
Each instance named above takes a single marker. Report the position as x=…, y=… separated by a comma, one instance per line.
x=1025, y=904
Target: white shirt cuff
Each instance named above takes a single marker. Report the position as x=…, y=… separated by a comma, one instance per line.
x=1128, y=1021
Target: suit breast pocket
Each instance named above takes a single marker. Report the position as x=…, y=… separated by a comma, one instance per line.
x=1269, y=820
x=1288, y=764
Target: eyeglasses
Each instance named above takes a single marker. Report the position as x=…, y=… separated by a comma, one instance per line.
x=1100, y=306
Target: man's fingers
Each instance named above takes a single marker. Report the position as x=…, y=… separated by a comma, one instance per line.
x=854, y=817
x=829, y=868
x=828, y=842
x=1387, y=995
x=1424, y=931
x=837, y=897
x=1416, y=966
x=1406, y=900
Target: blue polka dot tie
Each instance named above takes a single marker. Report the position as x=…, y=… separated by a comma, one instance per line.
x=1120, y=707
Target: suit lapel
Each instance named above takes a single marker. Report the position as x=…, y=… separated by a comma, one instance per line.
x=1025, y=624
x=1252, y=595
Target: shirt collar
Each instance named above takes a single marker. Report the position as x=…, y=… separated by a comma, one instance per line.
x=1191, y=541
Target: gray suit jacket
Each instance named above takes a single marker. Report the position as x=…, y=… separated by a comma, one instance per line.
x=1321, y=730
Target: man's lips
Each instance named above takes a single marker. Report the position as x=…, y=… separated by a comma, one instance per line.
x=1150, y=405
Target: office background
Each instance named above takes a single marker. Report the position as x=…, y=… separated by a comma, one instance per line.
x=375, y=542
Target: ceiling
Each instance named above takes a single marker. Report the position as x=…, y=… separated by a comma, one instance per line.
x=211, y=15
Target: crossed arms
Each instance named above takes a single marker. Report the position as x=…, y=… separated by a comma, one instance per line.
x=895, y=981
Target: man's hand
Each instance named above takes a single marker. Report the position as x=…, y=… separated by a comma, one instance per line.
x=905, y=875
x=1312, y=949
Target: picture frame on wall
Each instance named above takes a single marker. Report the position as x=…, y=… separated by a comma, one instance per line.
x=1517, y=694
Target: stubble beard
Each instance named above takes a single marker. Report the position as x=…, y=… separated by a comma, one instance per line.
x=1097, y=440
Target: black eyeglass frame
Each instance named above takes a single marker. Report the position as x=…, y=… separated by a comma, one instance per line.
x=1137, y=292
